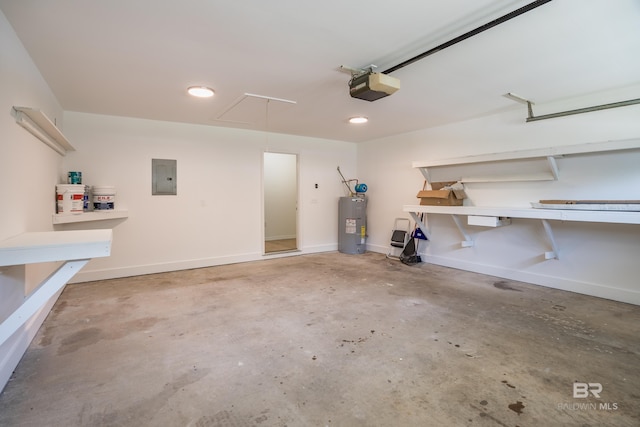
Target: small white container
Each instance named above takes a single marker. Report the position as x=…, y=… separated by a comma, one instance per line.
x=69, y=198
x=104, y=197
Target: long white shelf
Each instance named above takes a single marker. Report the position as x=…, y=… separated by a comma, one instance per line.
x=618, y=217
x=47, y=246
x=90, y=216
x=591, y=147
x=614, y=217
x=549, y=176
x=545, y=158
x=39, y=125
x=513, y=163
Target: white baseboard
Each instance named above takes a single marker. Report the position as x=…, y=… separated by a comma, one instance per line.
x=586, y=288
x=285, y=237
x=379, y=248
x=592, y=289
x=139, y=270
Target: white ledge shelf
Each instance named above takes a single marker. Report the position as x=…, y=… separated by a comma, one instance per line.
x=39, y=125
x=545, y=158
x=49, y=246
x=612, y=217
x=90, y=216
x=619, y=217
x=591, y=147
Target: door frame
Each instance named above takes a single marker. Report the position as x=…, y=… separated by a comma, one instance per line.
x=297, y=205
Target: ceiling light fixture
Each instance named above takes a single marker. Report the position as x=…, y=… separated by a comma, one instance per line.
x=200, y=91
x=358, y=120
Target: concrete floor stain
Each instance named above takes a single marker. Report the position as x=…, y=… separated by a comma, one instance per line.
x=503, y=285
x=89, y=336
x=80, y=339
x=517, y=407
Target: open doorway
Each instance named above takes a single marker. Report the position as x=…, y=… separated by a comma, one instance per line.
x=280, y=202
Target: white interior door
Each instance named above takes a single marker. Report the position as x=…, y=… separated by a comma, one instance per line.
x=280, y=202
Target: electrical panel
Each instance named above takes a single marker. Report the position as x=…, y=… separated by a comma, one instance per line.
x=164, y=180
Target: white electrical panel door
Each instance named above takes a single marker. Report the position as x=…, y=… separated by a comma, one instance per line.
x=164, y=179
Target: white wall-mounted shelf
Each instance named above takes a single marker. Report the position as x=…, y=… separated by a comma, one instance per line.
x=48, y=246
x=545, y=156
x=618, y=217
x=612, y=217
x=524, y=165
x=90, y=216
x=74, y=248
x=38, y=124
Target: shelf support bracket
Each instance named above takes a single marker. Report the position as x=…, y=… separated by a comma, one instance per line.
x=47, y=289
x=554, y=167
x=425, y=174
x=467, y=242
x=553, y=254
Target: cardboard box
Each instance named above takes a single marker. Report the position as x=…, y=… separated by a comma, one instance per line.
x=438, y=196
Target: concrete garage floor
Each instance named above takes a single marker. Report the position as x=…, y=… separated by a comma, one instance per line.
x=327, y=340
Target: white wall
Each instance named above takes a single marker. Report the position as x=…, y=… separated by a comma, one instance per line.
x=280, y=195
x=29, y=170
x=216, y=217
x=596, y=259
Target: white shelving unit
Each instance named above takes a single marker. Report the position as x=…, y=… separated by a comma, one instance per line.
x=90, y=216
x=611, y=217
x=546, y=158
x=74, y=248
x=47, y=246
x=38, y=124
x=616, y=217
x=547, y=162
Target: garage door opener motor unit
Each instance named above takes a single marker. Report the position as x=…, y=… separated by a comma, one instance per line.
x=371, y=86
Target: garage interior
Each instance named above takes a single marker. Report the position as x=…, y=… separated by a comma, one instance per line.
x=218, y=288
x=325, y=339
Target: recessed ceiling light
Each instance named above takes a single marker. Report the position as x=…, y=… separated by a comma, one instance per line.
x=358, y=120
x=200, y=91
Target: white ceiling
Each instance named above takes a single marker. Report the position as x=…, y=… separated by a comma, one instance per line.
x=136, y=58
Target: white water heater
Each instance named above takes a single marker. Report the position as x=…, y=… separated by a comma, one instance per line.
x=352, y=224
